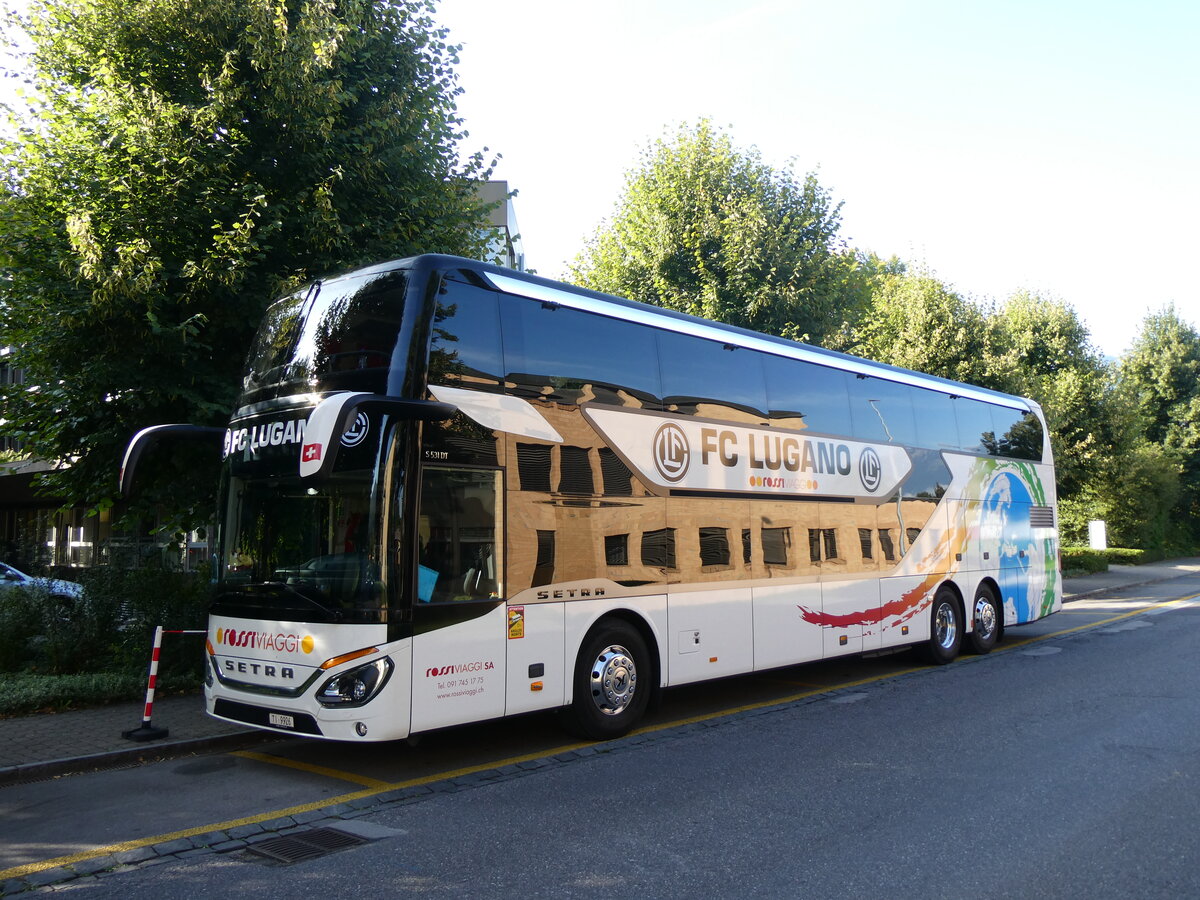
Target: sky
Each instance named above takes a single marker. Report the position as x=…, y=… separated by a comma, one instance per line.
x=1043, y=145
x=1038, y=145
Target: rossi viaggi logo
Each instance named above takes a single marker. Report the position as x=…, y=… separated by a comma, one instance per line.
x=265, y=640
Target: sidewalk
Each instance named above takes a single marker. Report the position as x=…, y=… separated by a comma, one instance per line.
x=44, y=746
x=52, y=744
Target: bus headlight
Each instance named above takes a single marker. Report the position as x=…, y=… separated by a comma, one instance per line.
x=356, y=686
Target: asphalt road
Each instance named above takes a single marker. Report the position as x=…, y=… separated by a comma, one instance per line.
x=1064, y=767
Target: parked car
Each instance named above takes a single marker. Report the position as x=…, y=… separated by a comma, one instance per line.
x=10, y=577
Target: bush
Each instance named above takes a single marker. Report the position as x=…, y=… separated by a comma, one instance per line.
x=20, y=626
x=29, y=692
x=144, y=599
x=1083, y=561
x=1127, y=557
x=96, y=648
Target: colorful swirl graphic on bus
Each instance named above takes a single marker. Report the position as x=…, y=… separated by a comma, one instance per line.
x=1021, y=558
x=265, y=640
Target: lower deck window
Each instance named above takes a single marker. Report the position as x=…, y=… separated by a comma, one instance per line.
x=459, y=534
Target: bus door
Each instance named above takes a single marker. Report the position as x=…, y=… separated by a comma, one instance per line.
x=459, y=617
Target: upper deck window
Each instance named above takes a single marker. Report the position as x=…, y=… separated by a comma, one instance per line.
x=339, y=334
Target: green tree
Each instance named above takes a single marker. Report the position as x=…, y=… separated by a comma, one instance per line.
x=1041, y=349
x=705, y=228
x=917, y=322
x=1161, y=373
x=1162, y=369
x=179, y=165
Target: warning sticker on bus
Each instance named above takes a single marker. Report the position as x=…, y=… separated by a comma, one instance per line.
x=516, y=622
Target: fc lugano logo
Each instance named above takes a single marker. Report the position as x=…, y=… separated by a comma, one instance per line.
x=870, y=470
x=671, y=452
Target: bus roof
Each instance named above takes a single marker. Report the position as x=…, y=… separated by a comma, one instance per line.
x=510, y=281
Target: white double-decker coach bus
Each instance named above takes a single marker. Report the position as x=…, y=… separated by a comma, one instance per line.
x=454, y=492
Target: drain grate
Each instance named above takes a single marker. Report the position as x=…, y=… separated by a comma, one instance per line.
x=302, y=845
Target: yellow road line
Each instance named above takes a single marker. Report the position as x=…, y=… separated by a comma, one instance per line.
x=380, y=787
x=314, y=769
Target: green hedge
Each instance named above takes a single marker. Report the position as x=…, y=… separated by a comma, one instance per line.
x=62, y=652
x=1085, y=561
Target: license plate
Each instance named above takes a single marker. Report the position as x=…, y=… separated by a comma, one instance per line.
x=279, y=720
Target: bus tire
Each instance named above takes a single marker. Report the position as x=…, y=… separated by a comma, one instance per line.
x=985, y=633
x=612, y=682
x=945, y=628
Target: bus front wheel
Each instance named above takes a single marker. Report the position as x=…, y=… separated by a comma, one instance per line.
x=612, y=682
x=945, y=628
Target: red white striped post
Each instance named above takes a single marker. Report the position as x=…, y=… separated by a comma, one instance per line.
x=147, y=732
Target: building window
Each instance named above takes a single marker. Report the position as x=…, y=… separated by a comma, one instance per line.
x=658, y=548
x=746, y=546
x=617, y=480
x=912, y=534
x=885, y=541
x=714, y=546
x=533, y=466
x=543, y=572
x=864, y=540
x=822, y=544
x=575, y=472
x=616, y=549
x=775, y=543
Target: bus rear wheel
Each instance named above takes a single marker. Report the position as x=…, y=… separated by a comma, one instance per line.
x=985, y=633
x=612, y=682
x=945, y=628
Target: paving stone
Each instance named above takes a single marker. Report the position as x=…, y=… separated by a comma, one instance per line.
x=279, y=824
x=91, y=866
x=245, y=831
x=311, y=815
x=48, y=876
x=172, y=847
x=208, y=838
x=136, y=855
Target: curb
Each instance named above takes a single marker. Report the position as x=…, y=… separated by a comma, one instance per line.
x=111, y=759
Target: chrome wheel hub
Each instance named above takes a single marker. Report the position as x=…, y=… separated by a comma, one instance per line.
x=985, y=618
x=613, y=680
x=945, y=626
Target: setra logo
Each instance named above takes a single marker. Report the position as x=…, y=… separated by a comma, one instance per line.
x=870, y=469
x=671, y=452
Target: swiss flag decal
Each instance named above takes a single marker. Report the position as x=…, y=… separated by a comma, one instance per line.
x=310, y=453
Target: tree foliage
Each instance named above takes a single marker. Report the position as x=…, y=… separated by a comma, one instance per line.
x=182, y=163
x=1043, y=350
x=705, y=228
x=1161, y=373
x=918, y=322
x=1030, y=345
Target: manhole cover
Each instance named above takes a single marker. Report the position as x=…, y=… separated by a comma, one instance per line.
x=302, y=845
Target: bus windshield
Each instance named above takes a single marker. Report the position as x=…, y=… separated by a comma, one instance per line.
x=298, y=552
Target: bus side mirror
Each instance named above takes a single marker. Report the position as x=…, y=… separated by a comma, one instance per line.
x=331, y=417
x=148, y=437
